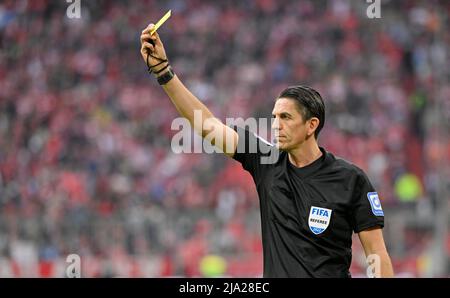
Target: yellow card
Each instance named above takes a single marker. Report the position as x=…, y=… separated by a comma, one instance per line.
x=161, y=21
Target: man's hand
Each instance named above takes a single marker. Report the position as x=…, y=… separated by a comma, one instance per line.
x=152, y=51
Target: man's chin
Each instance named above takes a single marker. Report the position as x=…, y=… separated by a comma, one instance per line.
x=280, y=146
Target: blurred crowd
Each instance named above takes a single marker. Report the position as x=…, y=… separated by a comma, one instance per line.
x=86, y=165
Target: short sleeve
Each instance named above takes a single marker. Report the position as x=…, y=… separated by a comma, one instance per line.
x=367, y=211
x=253, y=152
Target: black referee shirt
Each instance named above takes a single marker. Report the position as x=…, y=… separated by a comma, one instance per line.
x=308, y=214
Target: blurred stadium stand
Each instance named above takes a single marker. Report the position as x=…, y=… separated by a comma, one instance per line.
x=86, y=165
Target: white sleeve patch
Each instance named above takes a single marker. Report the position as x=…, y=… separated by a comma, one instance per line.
x=375, y=203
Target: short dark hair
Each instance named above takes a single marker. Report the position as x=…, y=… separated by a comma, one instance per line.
x=309, y=103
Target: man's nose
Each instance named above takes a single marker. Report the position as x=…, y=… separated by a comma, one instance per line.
x=276, y=125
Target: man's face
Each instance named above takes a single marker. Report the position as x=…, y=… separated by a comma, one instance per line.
x=288, y=124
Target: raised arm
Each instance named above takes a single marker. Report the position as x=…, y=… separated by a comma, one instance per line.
x=187, y=104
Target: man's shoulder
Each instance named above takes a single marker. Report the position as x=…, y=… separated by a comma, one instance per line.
x=345, y=166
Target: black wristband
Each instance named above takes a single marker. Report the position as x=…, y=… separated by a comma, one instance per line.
x=166, y=77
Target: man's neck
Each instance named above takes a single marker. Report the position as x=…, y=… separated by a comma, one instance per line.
x=305, y=154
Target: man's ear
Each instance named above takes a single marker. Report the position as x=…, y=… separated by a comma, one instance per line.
x=312, y=126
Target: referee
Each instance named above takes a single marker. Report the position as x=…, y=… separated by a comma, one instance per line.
x=310, y=201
